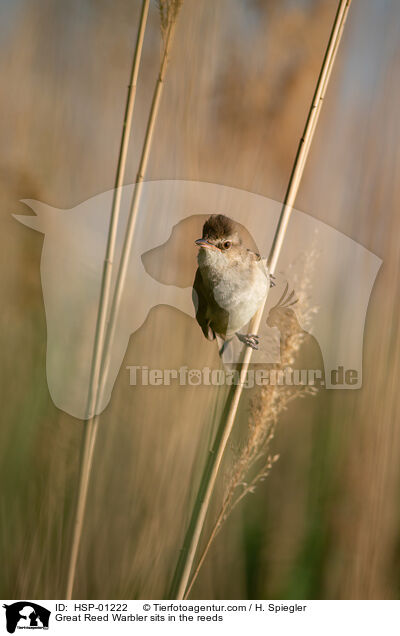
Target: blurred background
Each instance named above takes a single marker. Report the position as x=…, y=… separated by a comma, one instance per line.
x=325, y=524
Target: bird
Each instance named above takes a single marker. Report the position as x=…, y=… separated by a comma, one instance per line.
x=230, y=284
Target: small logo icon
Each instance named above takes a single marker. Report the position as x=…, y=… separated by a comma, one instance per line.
x=26, y=615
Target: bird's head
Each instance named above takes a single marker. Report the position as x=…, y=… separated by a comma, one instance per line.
x=221, y=239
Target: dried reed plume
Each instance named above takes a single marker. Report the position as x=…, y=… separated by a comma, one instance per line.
x=169, y=10
x=255, y=459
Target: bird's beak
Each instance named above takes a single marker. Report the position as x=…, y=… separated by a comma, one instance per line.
x=203, y=243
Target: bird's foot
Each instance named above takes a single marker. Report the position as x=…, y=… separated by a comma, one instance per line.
x=272, y=279
x=249, y=339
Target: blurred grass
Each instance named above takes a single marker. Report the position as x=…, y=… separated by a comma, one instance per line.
x=325, y=524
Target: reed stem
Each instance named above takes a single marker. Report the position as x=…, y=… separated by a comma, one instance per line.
x=133, y=213
x=187, y=555
x=90, y=427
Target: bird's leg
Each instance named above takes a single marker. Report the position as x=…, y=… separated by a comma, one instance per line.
x=249, y=339
x=224, y=346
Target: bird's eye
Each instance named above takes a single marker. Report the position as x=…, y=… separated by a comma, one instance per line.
x=227, y=245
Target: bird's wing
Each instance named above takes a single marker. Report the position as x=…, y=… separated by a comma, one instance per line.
x=199, y=296
x=261, y=260
x=263, y=263
x=255, y=255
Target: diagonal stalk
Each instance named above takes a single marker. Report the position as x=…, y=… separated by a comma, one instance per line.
x=91, y=427
x=89, y=432
x=187, y=555
x=133, y=213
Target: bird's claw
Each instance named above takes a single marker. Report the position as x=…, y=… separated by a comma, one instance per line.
x=250, y=339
